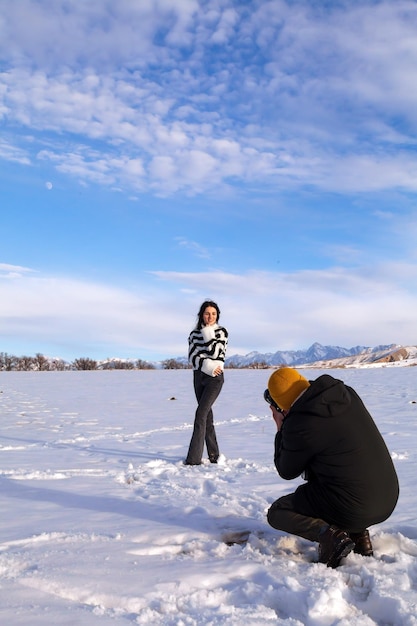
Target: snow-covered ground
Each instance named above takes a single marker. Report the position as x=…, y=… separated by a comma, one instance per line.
x=101, y=524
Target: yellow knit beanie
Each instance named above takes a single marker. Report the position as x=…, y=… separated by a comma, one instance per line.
x=285, y=385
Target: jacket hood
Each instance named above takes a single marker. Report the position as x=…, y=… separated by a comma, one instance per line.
x=326, y=395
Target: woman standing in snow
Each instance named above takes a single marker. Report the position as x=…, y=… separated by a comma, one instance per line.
x=206, y=353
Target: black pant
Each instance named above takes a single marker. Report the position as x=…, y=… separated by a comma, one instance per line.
x=207, y=389
x=283, y=516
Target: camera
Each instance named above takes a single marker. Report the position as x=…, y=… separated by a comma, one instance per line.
x=271, y=401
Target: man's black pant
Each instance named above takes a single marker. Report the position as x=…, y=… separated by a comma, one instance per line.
x=282, y=516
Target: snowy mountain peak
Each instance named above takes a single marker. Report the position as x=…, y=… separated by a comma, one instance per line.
x=318, y=355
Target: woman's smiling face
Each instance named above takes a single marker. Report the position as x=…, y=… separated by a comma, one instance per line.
x=209, y=316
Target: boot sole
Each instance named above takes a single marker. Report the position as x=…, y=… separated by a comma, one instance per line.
x=340, y=554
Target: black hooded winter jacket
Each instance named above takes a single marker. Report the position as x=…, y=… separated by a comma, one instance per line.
x=329, y=437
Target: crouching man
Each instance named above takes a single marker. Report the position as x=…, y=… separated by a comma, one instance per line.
x=326, y=434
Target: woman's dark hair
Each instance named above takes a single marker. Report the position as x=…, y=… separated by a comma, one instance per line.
x=200, y=321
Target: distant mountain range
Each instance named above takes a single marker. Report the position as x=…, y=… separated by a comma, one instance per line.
x=316, y=356
x=328, y=356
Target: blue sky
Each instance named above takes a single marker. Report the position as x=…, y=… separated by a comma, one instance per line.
x=155, y=153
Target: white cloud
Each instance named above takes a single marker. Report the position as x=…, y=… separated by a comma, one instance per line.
x=9, y=152
x=263, y=311
x=59, y=311
x=13, y=271
x=199, y=250
x=309, y=97
x=163, y=170
x=94, y=32
x=224, y=29
x=268, y=311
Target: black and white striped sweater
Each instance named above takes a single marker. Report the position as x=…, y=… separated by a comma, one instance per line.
x=207, y=348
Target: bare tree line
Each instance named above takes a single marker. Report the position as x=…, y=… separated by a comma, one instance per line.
x=41, y=363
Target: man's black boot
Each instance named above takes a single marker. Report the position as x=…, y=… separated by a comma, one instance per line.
x=363, y=544
x=334, y=545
